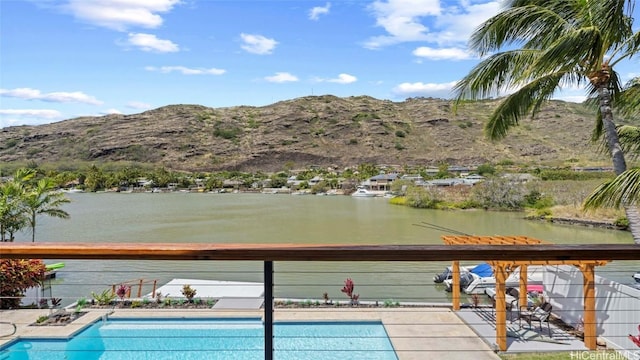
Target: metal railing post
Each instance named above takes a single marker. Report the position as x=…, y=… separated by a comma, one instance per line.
x=268, y=310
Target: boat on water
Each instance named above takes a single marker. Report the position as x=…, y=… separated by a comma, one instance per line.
x=636, y=277
x=473, y=283
x=447, y=274
x=362, y=192
x=480, y=271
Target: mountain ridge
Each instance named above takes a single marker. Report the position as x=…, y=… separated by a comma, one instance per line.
x=314, y=130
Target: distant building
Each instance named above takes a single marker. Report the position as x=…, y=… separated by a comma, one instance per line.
x=380, y=182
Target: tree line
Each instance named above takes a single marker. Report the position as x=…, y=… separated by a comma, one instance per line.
x=23, y=198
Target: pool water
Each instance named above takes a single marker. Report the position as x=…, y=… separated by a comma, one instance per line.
x=211, y=339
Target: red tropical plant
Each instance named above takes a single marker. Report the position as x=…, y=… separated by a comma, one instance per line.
x=122, y=291
x=16, y=276
x=348, y=289
x=635, y=339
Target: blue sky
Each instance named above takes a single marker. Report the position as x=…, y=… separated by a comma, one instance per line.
x=63, y=59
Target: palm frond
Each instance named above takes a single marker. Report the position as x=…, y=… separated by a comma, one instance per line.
x=627, y=102
x=493, y=75
x=588, y=42
x=623, y=190
x=530, y=24
x=527, y=99
x=613, y=18
x=630, y=139
x=598, y=128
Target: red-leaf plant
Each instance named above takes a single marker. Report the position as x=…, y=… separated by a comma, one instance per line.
x=16, y=276
x=348, y=289
x=122, y=291
x=636, y=339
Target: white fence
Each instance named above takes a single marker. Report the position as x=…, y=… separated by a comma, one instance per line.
x=617, y=306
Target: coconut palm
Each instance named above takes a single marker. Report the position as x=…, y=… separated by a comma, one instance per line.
x=536, y=47
x=624, y=190
x=12, y=218
x=43, y=199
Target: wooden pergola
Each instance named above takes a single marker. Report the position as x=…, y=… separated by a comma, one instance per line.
x=503, y=268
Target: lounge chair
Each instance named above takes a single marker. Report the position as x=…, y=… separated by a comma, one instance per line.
x=540, y=314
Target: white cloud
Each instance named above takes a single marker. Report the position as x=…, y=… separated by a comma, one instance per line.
x=112, y=111
x=442, y=54
x=281, y=77
x=149, y=42
x=37, y=113
x=314, y=13
x=442, y=90
x=406, y=21
x=341, y=79
x=138, y=105
x=186, y=71
x=62, y=97
x=401, y=20
x=258, y=44
x=121, y=14
x=456, y=24
x=11, y=117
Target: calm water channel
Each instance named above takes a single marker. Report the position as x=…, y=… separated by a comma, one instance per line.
x=258, y=218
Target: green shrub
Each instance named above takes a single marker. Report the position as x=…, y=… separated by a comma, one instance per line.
x=10, y=143
x=537, y=200
x=467, y=204
x=622, y=222
x=398, y=200
x=400, y=133
x=229, y=134
x=104, y=298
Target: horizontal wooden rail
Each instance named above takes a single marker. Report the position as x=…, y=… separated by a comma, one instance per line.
x=307, y=252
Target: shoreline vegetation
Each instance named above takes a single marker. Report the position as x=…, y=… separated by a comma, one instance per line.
x=542, y=194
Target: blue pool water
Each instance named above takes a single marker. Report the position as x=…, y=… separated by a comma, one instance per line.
x=211, y=339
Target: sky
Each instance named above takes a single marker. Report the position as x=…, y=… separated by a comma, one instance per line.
x=61, y=59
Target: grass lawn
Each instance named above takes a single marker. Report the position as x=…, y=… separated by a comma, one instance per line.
x=538, y=356
x=561, y=355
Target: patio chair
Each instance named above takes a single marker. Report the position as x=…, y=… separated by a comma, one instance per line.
x=513, y=304
x=540, y=314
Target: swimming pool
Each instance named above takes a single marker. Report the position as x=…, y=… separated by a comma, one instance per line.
x=211, y=339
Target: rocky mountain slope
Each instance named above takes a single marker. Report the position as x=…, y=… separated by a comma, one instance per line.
x=314, y=130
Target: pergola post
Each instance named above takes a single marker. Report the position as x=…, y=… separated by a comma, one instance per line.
x=501, y=307
x=455, y=285
x=522, y=301
x=589, y=318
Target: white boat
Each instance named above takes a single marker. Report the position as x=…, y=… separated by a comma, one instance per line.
x=362, y=192
x=73, y=190
x=636, y=276
x=447, y=274
x=475, y=284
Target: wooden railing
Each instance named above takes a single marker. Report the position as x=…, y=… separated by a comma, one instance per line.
x=298, y=252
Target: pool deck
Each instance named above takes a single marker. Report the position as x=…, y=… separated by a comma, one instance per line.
x=416, y=333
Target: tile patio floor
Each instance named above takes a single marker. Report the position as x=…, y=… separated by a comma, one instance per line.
x=482, y=322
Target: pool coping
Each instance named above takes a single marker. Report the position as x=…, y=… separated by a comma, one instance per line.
x=415, y=333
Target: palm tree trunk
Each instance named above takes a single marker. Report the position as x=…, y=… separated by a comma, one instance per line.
x=617, y=155
x=33, y=227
